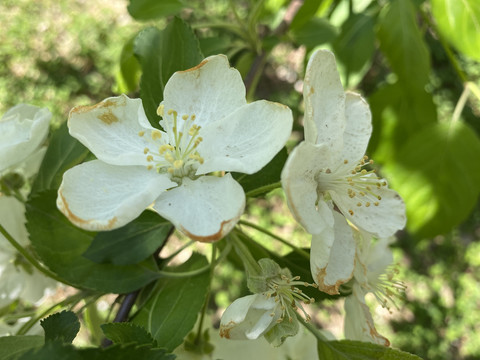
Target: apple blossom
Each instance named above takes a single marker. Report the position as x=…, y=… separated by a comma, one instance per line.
x=18, y=278
x=207, y=128
x=371, y=274
x=23, y=129
x=329, y=172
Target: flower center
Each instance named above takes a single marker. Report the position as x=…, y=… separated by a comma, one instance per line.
x=358, y=183
x=386, y=288
x=287, y=296
x=176, y=155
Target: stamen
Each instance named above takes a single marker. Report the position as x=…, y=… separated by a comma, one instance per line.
x=141, y=133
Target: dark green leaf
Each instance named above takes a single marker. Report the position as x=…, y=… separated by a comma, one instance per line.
x=355, y=45
x=172, y=310
x=62, y=326
x=316, y=31
x=161, y=53
x=152, y=9
x=403, y=44
x=459, y=22
x=215, y=45
x=11, y=347
x=356, y=350
x=131, y=243
x=305, y=13
x=438, y=175
x=125, y=333
x=63, y=152
x=268, y=175
x=60, y=245
x=397, y=115
x=56, y=350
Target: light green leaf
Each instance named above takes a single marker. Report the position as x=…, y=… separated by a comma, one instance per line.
x=459, y=22
x=161, y=53
x=355, y=45
x=438, y=175
x=356, y=350
x=305, y=13
x=153, y=9
x=172, y=309
x=63, y=152
x=62, y=326
x=60, y=245
x=314, y=32
x=128, y=76
x=125, y=333
x=11, y=347
x=398, y=114
x=131, y=243
x=402, y=43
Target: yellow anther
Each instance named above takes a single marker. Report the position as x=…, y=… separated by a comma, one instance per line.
x=362, y=193
x=160, y=110
x=365, y=157
x=345, y=161
x=384, y=183
x=363, y=172
x=193, y=117
x=165, y=147
x=200, y=160
x=177, y=164
x=376, y=203
x=171, y=111
x=156, y=134
x=184, y=117
x=145, y=151
x=379, y=197
x=349, y=179
x=368, y=188
x=370, y=162
x=141, y=133
x=169, y=158
x=367, y=204
x=149, y=167
x=149, y=158
x=353, y=172
x=359, y=204
x=170, y=170
x=328, y=171
x=350, y=212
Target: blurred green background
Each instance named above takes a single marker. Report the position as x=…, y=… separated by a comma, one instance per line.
x=60, y=54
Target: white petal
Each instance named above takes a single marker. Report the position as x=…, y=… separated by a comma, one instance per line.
x=210, y=91
x=378, y=259
x=111, y=130
x=324, y=101
x=246, y=140
x=23, y=129
x=358, y=128
x=205, y=209
x=12, y=218
x=300, y=186
x=332, y=256
x=98, y=196
x=359, y=323
x=247, y=318
x=383, y=220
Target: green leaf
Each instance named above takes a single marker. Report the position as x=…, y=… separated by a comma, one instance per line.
x=56, y=350
x=172, y=309
x=355, y=45
x=131, y=243
x=268, y=175
x=305, y=13
x=161, y=53
x=459, y=22
x=438, y=175
x=63, y=152
x=314, y=32
x=60, y=245
x=124, y=333
x=62, y=326
x=11, y=347
x=356, y=350
x=403, y=44
x=153, y=9
x=398, y=114
x=129, y=73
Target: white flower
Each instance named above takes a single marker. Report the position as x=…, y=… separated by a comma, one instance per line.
x=23, y=129
x=208, y=128
x=371, y=274
x=329, y=172
x=18, y=278
x=270, y=312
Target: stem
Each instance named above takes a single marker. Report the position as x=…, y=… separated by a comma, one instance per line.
x=263, y=189
x=169, y=258
x=461, y=104
x=29, y=257
x=185, y=274
x=249, y=262
x=276, y=237
x=310, y=327
x=474, y=89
